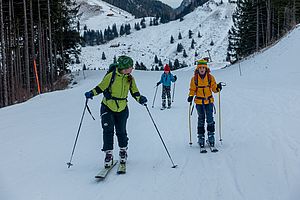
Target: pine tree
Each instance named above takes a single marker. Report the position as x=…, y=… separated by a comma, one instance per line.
x=143, y=23
x=199, y=35
x=172, y=39
x=193, y=44
x=184, y=54
x=160, y=63
x=179, y=47
x=122, y=30
x=103, y=56
x=155, y=59
x=179, y=36
x=190, y=34
x=176, y=64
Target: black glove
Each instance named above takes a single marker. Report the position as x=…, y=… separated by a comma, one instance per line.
x=158, y=83
x=190, y=98
x=175, y=78
x=143, y=100
x=219, y=87
x=89, y=95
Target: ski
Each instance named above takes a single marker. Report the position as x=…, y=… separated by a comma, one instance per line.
x=162, y=108
x=103, y=172
x=121, y=168
x=212, y=149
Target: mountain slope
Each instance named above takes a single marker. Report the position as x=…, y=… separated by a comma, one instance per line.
x=211, y=20
x=259, y=157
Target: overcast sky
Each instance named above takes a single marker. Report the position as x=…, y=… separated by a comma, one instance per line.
x=172, y=3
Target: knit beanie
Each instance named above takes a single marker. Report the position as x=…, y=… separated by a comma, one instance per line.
x=167, y=68
x=124, y=62
x=202, y=63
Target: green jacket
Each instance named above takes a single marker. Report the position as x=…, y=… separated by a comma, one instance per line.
x=118, y=90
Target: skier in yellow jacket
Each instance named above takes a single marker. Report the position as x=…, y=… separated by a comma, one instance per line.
x=201, y=86
x=114, y=111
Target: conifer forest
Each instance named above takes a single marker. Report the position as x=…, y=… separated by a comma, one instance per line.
x=38, y=40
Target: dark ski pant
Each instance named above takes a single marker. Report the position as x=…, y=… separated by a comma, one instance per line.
x=114, y=120
x=206, y=111
x=166, y=92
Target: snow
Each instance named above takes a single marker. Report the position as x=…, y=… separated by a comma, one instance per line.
x=172, y=3
x=259, y=157
x=212, y=21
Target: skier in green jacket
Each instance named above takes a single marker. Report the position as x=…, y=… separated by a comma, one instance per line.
x=114, y=110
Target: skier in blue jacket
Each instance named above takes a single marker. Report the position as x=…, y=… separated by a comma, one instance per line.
x=166, y=79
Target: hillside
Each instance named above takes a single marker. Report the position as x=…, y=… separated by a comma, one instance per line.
x=212, y=21
x=258, y=159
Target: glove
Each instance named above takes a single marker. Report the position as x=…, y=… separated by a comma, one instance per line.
x=219, y=87
x=175, y=78
x=89, y=95
x=158, y=83
x=190, y=98
x=143, y=100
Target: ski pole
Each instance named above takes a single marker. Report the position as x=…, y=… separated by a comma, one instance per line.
x=220, y=125
x=220, y=117
x=70, y=162
x=174, y=166
x=190, y=125
x=154, y=96
x=173, y=92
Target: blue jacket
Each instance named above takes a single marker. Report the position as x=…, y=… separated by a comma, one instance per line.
x=166, y=79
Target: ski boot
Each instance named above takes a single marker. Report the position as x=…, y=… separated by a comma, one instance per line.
x=123, y=155
x=201, y=140
x=211, y=139
x=169, y=103
x=108, y=161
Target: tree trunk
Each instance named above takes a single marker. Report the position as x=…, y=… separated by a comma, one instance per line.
x=3, y=52
x=26, y=51
x=257, y=25
x=268, y=28
x=50, y=45
x=11, y=53
x=40, y=52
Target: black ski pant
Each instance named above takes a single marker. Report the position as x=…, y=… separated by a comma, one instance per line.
x=112, y=121
x=166, y=92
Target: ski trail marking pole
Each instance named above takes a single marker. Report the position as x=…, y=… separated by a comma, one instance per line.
x=173, y=92
x=154, y=97
x=174, y=166
x=70, y=162
x=190, y=125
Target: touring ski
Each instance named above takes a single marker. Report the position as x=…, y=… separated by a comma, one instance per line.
x=212, y=149
x=121, y=168
x=103, y=172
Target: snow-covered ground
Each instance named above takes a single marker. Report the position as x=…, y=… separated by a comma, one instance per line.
x=172, y=3
x=258, y=159
x=212, y=21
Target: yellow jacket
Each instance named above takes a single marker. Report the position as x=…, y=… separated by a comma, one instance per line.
x=204, y=88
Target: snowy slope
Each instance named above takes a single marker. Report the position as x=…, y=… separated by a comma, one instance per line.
x=212, y=21
x=259, y=157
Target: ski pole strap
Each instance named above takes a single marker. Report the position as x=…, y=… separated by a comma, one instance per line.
x=215, y=111
x=88, y=108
